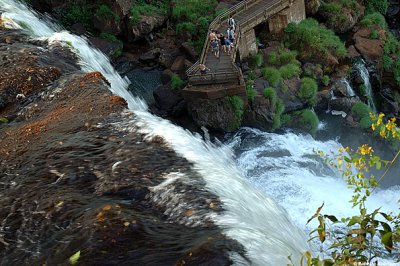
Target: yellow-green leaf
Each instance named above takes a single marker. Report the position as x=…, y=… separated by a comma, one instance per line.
x=74, y=258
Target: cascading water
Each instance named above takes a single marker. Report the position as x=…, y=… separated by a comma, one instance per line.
x=362, y=70
x=348, y=89
x=251, y=217
x=286, y=167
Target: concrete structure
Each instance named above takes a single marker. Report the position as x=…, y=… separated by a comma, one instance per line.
x=225, y=78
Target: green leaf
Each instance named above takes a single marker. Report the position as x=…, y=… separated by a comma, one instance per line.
x=378, y=165
x=332, y=218
x=74, y=258
x=354, y=220
x=316, y=213
x=387, y=241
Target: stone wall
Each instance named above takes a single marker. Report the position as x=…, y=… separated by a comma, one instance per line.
x=296, y=12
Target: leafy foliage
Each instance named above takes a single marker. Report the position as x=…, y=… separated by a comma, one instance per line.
x=308, y=90
x=374, y=19
x=272, y=75
x=78, y=12
x=176, y=82
x=238, y=108
x=325, y=80
x=313, y=40
x=363, y=113
x=380, y=6
x=355, y=242
x=309, y=119
x=270, y=94
x=290, y=70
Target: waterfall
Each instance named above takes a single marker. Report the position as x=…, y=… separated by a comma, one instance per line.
x=251, y=217
x=349, y=90
x=362, y=70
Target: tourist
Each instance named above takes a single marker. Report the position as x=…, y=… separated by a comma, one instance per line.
x=222, y=42
x=215, y=47
x=212, y=36
x=203, y=69
x=228, y=45
x=231, y=23
x=231, y=34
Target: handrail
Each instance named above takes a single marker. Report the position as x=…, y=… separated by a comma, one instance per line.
x=243, y=5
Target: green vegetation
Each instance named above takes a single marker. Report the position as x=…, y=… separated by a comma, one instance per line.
x=362, y=90
x=3, y=120
x=335, y=9
x=308, y=90
x=176, y=82
x=374, y=19
x=141, y=7
x=313, y=40
x=286, y=119
x=363, y=113
x=272, y=75
x=111, y=38
x=258, y=59
x=326, y=80
x=238, y=108
x=193, y=17
x=380, y=6
x=104, y=11
x=270, y=94
x=367, y=234
x=309, y=119
x=250, y=91
x=281, y=57
x=290, y=70
x=391, y=56
x=79, y=12
x=374, y=35
x=284, y=88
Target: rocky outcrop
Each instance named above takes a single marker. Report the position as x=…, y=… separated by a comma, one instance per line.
x=260, y=115
x=76, y=175
x=341, y=18
x=213, y=114
x=145, y=26
x=370, y=49
x=312, y=6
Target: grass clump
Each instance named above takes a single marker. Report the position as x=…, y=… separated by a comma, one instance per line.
x=112, y=38
x=363, y=111
x=326, y=80
x=309, y=119
x=258, y=59
x=372, y=6
x=308, y=90
x=314, y=40
x=176, y=82
x=238, y=109
x=104, y=11
x=270, y=94
x=374, y=19
x=141, y=7
x=250, y=91
x=272, y=75
x=282, y=57
x=290, y=70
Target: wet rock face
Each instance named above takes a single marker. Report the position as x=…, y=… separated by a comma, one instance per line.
x=370, y=49
x=77, y=175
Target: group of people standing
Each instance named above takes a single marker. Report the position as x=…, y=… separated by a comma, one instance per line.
x=225, y=42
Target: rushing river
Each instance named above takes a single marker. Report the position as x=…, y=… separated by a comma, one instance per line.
x=251, y=216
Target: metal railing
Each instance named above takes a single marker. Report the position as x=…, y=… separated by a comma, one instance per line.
x=221, y=76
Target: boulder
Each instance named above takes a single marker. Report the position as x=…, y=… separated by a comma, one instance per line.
x=178, y=64
x=107, y=47
x=169, y=101
x=150, y=57
x=107, y=24
x=390, y=105
x=145, y=26
x=323, y=99
x=189, y=51
x=261, y=114
x=312, y=6
x=213, y=114
x=370, y=49
x=344, y=20
x=343, y=104
x=166, y=76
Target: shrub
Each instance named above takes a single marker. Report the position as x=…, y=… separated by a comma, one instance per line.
x=325, y=80
x=252, y=75
x=374, y=19
x=270, y=94
x=362, y=111
x=78, y=13
x=362, y=90
x=250, y=91
x=308, y=90
x=272, y=75
x=141, y=7
x=380, y=6
x=313, y=40
x=273, y=58
x=290, y=70
x=286, y=119
x=112, y=38
x=176, y=82
x=258, y=59
x=286, y=57
x=3, y=120
x=238, y=109
x=104, y=11
x=284, y=88
x=309, y=119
